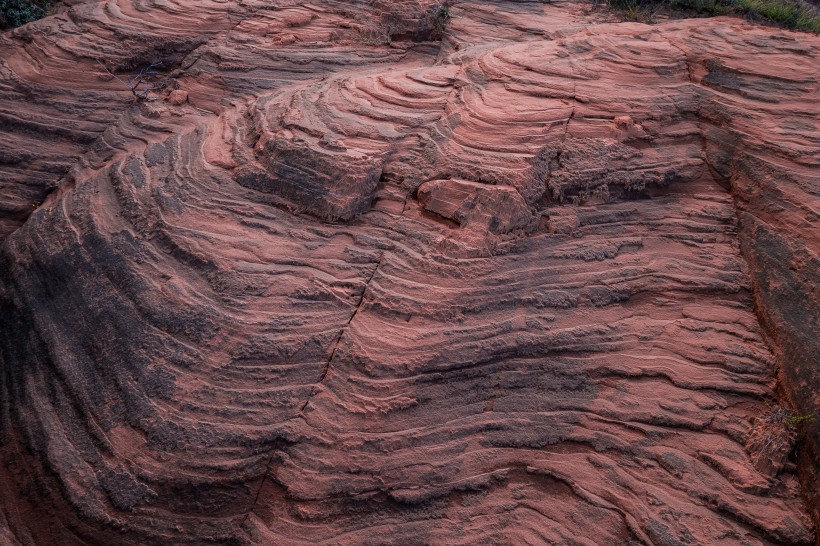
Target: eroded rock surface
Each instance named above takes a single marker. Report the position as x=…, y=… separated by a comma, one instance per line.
x=502, y=288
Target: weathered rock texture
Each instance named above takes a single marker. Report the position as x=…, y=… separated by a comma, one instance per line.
x=499, y=289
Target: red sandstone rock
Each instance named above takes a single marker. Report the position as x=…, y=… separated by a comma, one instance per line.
x=177, y=97
x=488, y=290
x=496, y=209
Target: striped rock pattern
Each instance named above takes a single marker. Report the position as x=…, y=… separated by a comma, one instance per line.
x=495, y=289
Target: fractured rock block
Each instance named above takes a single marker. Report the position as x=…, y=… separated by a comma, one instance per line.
x=500, y=209
x=332, y=186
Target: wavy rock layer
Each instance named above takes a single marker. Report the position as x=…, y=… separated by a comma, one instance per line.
x=489, y=290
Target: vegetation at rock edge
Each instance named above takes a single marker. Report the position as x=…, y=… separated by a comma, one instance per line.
x=793, y=14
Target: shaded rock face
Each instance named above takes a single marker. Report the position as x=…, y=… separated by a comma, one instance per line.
x=505, y=288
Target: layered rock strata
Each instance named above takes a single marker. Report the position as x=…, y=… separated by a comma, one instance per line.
x=534, y=283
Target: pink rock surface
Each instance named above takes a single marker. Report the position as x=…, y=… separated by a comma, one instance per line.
x=177, y=97
x=543, y=281
x=498, y=209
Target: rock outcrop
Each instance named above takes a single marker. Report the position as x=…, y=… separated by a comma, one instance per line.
x=545, y=280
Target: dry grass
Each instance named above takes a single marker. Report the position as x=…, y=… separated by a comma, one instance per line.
x=396, y=22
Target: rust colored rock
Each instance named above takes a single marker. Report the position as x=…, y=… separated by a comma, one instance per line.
x=177, y=97
x=538, y=282
x=498, y=209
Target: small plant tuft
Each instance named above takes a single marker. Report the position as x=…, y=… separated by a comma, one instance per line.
x=145, y=82
x=784, y=416
x=795, y=420
x=398, y=22
x=438, y=18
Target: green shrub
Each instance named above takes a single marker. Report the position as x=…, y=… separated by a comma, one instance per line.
x=795, y=420
x=787, y=13
x=437, y=18
x=794, y=14
x=14, y=13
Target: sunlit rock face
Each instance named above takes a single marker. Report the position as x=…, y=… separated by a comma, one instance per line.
x=542, y=278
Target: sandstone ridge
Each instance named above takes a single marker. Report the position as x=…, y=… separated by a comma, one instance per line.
x=545, y=280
